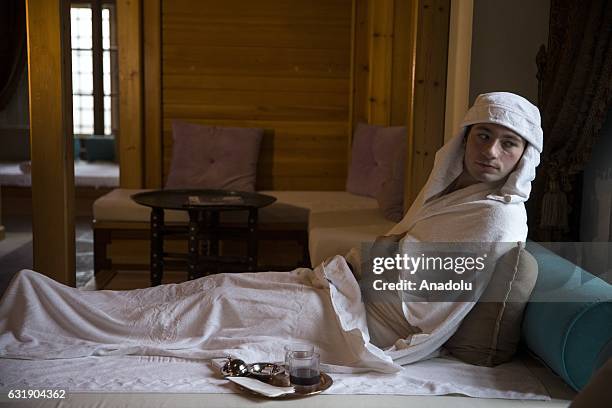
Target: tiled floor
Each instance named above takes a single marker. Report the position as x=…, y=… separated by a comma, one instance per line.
x=84, y=253
x=13, y=241
x=16, y=249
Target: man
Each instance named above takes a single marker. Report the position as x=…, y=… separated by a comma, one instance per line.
x=474, y=194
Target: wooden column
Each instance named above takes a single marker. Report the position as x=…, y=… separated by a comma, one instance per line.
x=429, y=94
x=404, y=55
x=129, y=29
x=412, y=20
x=50, y=92
x=459, y=61
x=152, y=94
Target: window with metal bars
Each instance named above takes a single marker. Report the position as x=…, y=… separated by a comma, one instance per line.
x=94, y=68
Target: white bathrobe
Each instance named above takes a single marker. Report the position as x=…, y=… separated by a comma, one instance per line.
x=485, y=213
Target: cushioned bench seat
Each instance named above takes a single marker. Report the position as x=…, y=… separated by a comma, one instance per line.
x=117, y=206
x=337, y=221
x=336, y=232
x=290, y=207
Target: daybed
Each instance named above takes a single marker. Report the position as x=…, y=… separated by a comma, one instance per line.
x=554, y=332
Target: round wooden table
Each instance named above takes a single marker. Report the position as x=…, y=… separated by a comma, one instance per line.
x=203, y=231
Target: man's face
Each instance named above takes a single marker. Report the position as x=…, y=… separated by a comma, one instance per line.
x=492, y=151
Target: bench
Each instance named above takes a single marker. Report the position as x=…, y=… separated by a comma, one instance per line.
x=321, y=223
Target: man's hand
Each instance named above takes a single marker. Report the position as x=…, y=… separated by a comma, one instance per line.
x=389, y=239
x=386, y=245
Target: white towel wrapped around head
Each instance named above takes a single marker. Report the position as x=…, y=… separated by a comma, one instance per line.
x=501, y=108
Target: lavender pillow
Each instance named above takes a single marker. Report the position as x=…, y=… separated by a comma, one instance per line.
x=214, y=157
x=364, y=176
x=377, y=166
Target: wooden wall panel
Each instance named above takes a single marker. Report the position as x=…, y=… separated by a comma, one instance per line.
x=282, y=66
x=361, y=61
x=283, y=161
x=384, y=61
x=381, y=53
x=303, y=72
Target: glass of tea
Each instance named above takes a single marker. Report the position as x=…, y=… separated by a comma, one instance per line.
x=304, y=372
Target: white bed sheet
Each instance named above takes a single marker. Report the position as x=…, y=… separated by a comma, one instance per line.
x=161, y=339
x=111, y=374
x=91, y=174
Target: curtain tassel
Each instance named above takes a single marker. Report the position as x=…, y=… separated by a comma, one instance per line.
x=555, y=207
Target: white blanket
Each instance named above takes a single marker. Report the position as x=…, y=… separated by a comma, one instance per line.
x=250, y=316
x=158, y=339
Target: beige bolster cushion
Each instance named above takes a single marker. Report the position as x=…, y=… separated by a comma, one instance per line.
x=490, y=333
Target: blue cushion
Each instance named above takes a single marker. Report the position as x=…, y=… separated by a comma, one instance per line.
x=100, y=148
x=568, y=321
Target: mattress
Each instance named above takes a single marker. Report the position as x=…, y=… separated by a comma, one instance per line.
x=150, y=381
x=155, y=400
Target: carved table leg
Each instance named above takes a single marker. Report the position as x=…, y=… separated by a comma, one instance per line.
x=157, y=246
x=252, y=239
x=214, y=239
x=194, y=244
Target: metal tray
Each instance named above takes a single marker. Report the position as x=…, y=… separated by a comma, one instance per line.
x=326, y=382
